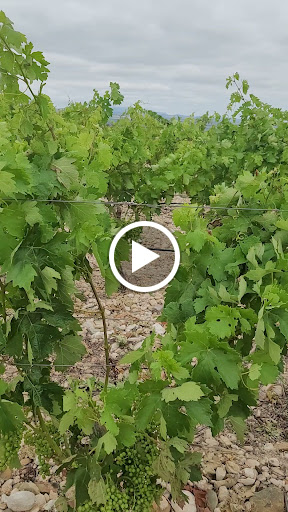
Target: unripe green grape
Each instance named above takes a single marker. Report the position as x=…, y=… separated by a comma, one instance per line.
x=10, y=445
x=42, y=447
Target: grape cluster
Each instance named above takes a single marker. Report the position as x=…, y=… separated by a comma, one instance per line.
x=138, y=487
x=38, y=440
x=9, y=448
x=116, y=500
x=137, y=474
x=87, y=507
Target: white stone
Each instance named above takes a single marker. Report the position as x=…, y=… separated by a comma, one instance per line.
x=159, y=329
x=274, y=462
x=208, y=434
x=7, y=487
x=28, y=486
x=232, y=467
x=40, y=500
x=6, y=475
x=49, y=506
x=163, y=505
x=25, y=461
x=190, y=506
x=21, y=501
x=212, y=500
x=252, y=463
x=278, y=483
x=278, y=390
x=250, y=473
x=131, y=327
x=247, y=481
x=268, y=447
x=220, y=473
x=36, y=508
x=223, y=493
x=212, y=442
x=225, y=441
x=204, y=485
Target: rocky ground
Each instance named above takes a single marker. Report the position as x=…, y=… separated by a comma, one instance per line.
x=252, y=477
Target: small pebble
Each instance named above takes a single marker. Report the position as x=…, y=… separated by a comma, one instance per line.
x=232, y=467
x=277, y=483
x=40, y=500
x=212, y=500
x=252, y=463
x=20, y=501
x=274, y=462
x=220, y=473
x=268, y=447
x=225, y=441
x=223, y=494
x=250, y=473
x=212, y=442
x=25, y=461
x=7, y=487
x=49, y=506
x=247, y=481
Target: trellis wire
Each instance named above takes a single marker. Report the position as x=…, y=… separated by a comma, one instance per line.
x=131, y=203
x=98, y=365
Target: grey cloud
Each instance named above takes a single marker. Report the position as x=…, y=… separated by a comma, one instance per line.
x=174, y=56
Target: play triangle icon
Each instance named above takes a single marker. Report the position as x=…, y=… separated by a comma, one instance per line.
x=141, y=256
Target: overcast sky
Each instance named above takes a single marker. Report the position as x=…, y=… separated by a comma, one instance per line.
x=174, y=55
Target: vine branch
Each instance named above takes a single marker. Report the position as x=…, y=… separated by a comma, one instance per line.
x=51, y=441
x=3, y=300
x=89, y=280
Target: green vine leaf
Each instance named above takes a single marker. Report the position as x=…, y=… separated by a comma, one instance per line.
x=189, y=391
x=66, y=172
x=68, y=351
x=11, y=416
x=97, y=491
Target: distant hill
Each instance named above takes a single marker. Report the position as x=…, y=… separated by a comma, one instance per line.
x=118, y=111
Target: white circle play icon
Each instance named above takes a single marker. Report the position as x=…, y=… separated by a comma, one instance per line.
x=143, y=256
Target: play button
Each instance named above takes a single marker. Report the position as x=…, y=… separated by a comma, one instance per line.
x=141, y=256
x=154, y=258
